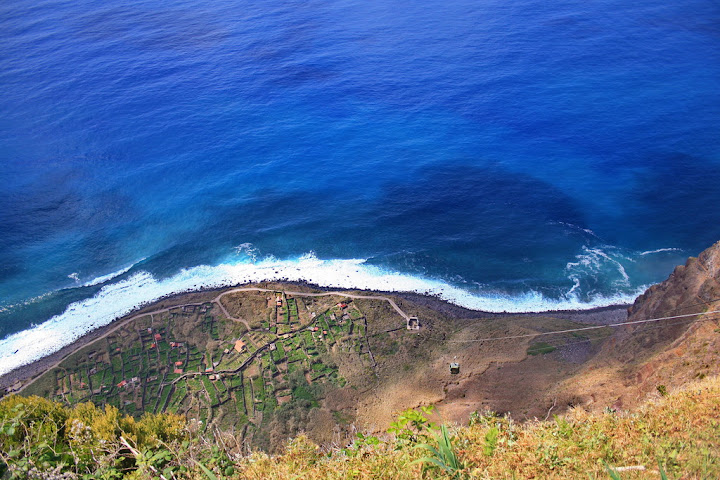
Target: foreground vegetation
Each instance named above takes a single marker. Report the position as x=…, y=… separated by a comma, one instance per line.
x=676, y=435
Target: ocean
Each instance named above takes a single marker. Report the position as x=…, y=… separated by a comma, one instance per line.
x=505, y=156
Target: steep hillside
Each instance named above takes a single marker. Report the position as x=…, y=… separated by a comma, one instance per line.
x=691, y=288
x=643, y=359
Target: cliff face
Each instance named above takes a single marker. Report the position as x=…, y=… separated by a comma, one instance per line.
x=639, y=360
x=691, y=288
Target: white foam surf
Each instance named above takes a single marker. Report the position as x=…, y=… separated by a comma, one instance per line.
x=117, y=299
x=596, y=262
x=110, y=276
x=660, y=250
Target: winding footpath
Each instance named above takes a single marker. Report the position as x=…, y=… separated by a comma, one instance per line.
x=303, y=294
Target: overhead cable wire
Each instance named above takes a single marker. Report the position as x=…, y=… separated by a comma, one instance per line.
x=592, y=338
x=593, y=327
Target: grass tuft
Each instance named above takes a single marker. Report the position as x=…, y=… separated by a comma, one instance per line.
x=443, y=456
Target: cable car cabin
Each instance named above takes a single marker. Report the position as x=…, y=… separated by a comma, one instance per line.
x=454, y=368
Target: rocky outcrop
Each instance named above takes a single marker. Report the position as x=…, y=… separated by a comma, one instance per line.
x=690, y=288
x=643, y=360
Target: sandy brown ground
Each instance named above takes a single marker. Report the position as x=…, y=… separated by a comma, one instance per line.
x=495, y=375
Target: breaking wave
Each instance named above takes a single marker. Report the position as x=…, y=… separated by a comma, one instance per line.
x=660, y=250
x=110, y=276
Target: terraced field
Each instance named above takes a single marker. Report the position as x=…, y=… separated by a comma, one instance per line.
x=195, y=361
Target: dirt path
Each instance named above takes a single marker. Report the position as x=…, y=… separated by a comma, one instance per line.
x=323, y=294
x=112, y=330
x=230, y=317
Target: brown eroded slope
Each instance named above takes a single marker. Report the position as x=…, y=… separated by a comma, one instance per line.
x=617, y=367
x=643, y=359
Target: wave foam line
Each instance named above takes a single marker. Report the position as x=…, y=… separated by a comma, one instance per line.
x=118, y=299
x=660, y=250
x=591, y=262
x=110, y=276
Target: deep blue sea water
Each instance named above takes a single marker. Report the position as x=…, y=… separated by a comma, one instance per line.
x=517, y=156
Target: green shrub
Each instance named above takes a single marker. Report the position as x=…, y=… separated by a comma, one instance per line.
x=540, y=348
x=443, y=456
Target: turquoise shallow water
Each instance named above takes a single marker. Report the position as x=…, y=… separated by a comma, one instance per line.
x=525, y=156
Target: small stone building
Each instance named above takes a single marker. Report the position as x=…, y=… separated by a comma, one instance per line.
x=413, y=323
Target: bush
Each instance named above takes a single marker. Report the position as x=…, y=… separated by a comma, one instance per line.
x=38, y=435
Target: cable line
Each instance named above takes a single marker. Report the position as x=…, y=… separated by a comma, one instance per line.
x=603, y=337
x=594, y=327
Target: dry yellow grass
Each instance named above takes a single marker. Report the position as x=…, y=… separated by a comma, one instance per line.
x=681, y=431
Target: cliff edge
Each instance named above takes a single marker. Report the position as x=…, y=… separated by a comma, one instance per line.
x=690, y=288
x=680, y=344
